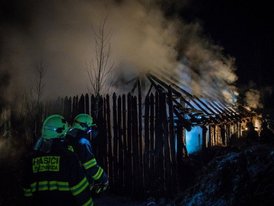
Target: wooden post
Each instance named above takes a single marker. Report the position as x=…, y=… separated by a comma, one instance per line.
x=204, y=131
x=152, y=152
x=81, y=104
x=174, y=180
x=124, y=141
x=166, y=148
x=110, y=154
x=140, y=137
x=129, y=142
x=92, y=106
x=87, y=104
x=120, y=145
x=115, y=142
x=135, y=149
x=147, y=180
x=101, y=141
x=160, y=182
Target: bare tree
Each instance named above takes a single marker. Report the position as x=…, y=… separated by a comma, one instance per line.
x=101, y=66
x=32, y=108
x=40, y=72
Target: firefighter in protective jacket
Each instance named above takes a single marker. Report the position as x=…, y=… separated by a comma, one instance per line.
x=53, y=175
x=78, y=141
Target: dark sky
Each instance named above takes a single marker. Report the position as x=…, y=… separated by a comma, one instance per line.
x=245, y=30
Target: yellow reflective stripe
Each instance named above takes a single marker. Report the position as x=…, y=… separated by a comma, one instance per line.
x=43, y=186
x=49, y=185
x=33, y=186
x=77, y=189
x=53, y=185
x=90, y=163
x=27, y=192
x=88, y=203
x=98, y=174
x=63, y=186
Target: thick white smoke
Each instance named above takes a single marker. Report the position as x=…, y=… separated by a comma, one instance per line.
x=60, y=33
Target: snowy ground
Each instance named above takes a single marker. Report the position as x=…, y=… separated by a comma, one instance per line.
x=112, y=200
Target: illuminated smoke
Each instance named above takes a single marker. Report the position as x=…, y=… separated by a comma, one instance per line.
x=253, y=99
x=143, y=40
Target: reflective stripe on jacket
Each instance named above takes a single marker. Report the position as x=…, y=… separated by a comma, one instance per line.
x=82, y=147
x=55, y=178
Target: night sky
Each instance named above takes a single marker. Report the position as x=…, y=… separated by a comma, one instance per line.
x=245, y=30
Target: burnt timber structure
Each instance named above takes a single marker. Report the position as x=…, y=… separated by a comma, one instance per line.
x=219, y=120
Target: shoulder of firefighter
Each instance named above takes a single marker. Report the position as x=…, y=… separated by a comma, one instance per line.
x=55, y=178
x=96, y=175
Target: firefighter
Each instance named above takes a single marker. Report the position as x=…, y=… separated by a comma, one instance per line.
x=78, y=140
x=53, y=175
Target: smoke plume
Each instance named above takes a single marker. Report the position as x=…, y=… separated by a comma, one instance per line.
x=142, y=39
x=253, y=99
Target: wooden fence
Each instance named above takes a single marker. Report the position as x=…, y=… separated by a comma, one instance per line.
x=139, y=142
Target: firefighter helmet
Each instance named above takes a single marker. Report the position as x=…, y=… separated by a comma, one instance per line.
x=83, y=122
x=54, y=126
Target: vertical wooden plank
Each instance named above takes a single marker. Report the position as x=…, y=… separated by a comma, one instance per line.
x=70, y=111
x=204, y=131
x=152, y=173
x=87, y=106
x=124, y=139
x=147, y=180
x=166, y=149
x=106, y=160
x=81, y=104
x=158, y=144
x=110, y=147
x=140, y=138
x=129, y=136
x=209, y=136
x=120, y=145
x=92, y=105
x=180, y=146
x=101, y=142
x=134, y=142
x=66, y=108
x=171, y=128
x=163, y=143
x=74, y=109
x=115, y=142
x=174, y=177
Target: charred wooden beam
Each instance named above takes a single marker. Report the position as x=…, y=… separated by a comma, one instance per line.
x=158, y=86
x=195, y=99
x=214, y=117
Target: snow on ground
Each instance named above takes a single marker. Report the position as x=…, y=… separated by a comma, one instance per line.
x=114, y=200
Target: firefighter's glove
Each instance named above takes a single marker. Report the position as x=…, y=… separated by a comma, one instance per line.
x=99, y=188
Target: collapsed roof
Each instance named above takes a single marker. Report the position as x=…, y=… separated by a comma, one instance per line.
x=196, y=110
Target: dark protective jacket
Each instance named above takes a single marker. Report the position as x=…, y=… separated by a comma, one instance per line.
x=55, y=178
x=79, y=143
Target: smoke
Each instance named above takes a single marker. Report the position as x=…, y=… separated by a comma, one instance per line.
x=212, y=73
x=253, y=99
x=4, y=83
x=61, y=34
